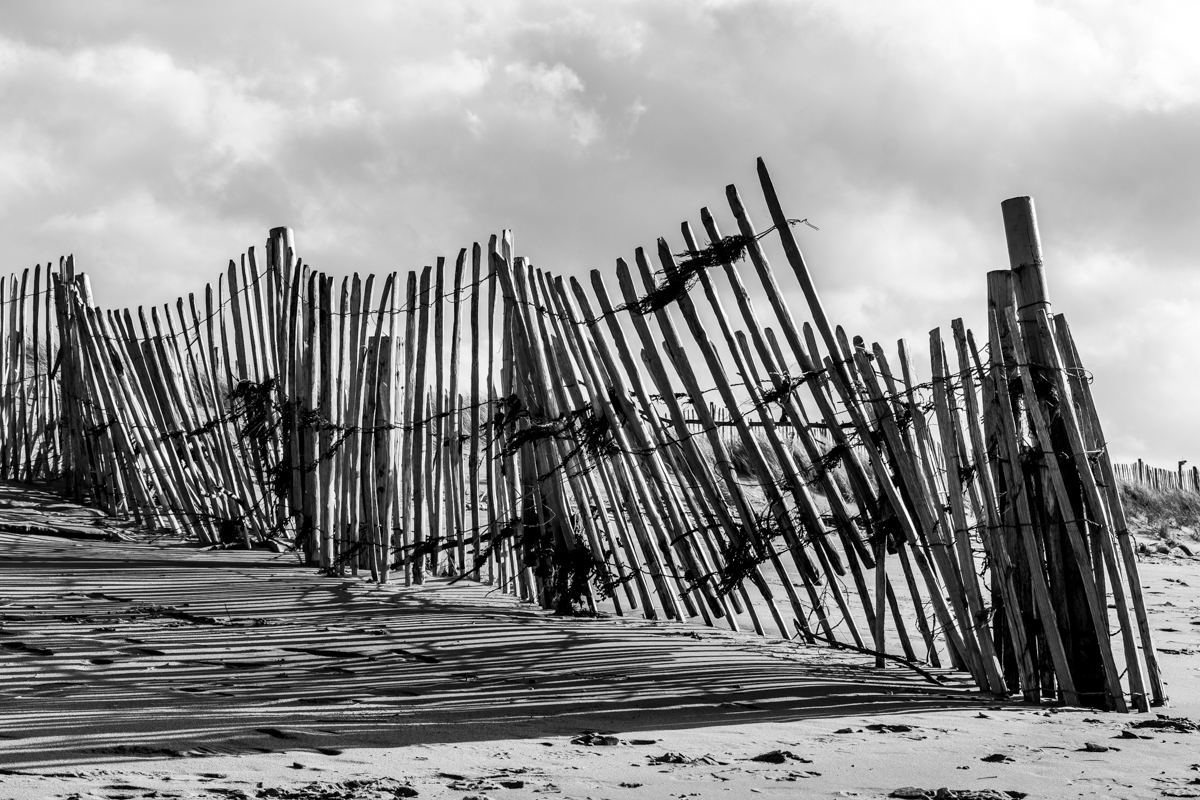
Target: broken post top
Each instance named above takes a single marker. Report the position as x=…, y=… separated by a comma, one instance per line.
x=1025, y=255
x=281, y=247
x=1021, y=231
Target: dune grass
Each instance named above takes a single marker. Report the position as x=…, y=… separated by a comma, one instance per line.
x=1168, y=513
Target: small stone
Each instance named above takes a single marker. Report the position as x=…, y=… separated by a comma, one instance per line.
x=591, y=739
x=1092, y=747
x=779, y=757
x=670, y=758
x=997, y=758
x=1131, y=735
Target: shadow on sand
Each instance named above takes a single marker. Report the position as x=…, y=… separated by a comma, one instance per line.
x=141, y=649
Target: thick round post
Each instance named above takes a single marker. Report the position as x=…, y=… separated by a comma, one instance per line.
x=1025, y=248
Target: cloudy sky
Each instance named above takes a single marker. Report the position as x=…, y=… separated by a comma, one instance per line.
x=157, y=140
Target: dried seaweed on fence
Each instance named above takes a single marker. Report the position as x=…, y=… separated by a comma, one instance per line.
x=534, y=432
x=741, y=562
x=596, y=433
x=590, y=431
x=679, y=281
x=207, y=427
x=743, y=558
x=832, y=458
x=782, y=393
x=261, y=418
x=253, y=403
x=507, y=409
x=296, y=417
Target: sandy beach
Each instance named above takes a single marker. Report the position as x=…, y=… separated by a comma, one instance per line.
x=143, y=667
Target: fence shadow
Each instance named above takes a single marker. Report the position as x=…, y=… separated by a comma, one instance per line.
x=136, y=648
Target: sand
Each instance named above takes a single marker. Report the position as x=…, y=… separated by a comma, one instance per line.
x=150, y=668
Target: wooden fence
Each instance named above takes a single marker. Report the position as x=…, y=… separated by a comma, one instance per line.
x=29, y=405
x=617, y=450
x=1142, y=474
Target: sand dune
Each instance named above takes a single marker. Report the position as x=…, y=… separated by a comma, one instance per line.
x=149, y=668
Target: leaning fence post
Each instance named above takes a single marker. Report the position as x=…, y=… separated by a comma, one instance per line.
x=1032, y=298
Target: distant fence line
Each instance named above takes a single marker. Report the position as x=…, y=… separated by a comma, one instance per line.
x=1180, y=479
x=502, y=424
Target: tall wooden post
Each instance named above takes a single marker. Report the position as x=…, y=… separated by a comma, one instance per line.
x=1079, y=632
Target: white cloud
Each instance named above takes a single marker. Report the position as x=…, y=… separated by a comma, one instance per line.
x=1134, y=56
x=553, y=94
x=556, y=82
x=136, y=225
x=27, y=164
x=618, y=33
x=424, y=85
